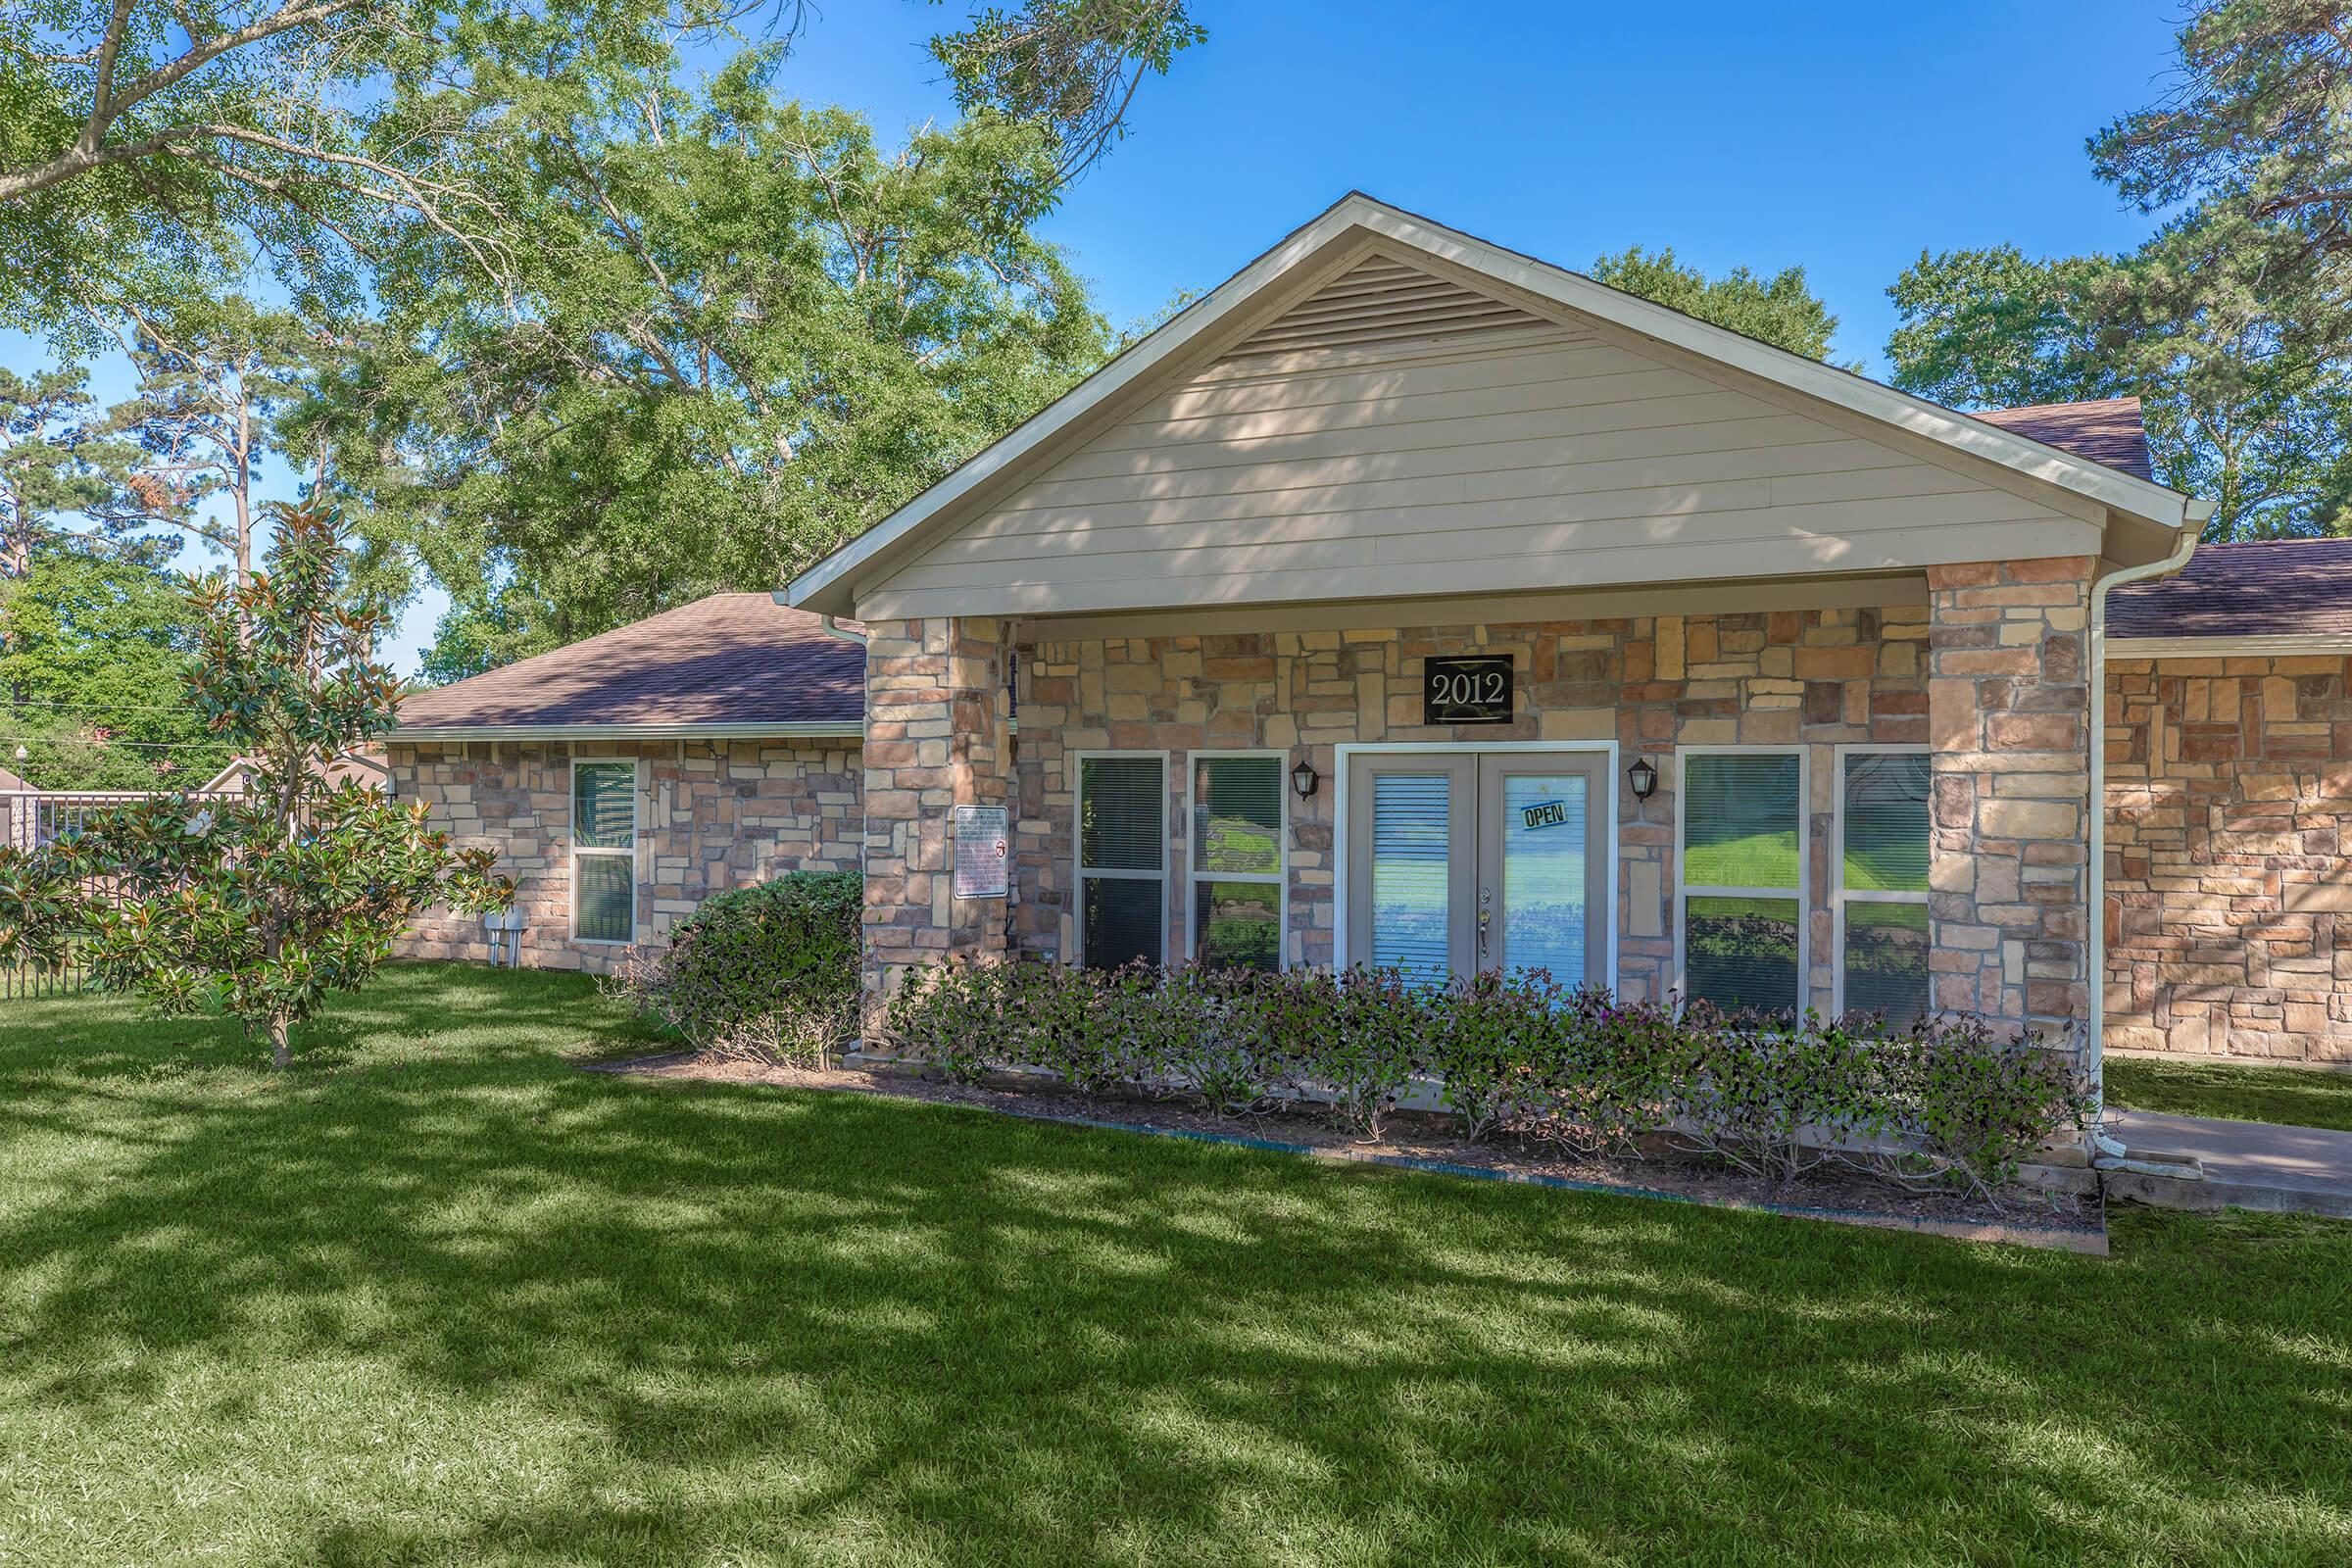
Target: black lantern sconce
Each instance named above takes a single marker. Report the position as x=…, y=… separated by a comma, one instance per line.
x=1644, y=777
x=1304, y=778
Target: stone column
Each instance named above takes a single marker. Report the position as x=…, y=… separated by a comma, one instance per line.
x=2009, y=710
x=938, y=734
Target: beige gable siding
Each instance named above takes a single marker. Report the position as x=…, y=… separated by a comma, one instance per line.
x=1487, y=452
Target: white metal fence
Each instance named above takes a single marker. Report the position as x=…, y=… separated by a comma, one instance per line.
x=29, y=820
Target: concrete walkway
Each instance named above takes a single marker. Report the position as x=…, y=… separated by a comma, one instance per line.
x=2251, y=1165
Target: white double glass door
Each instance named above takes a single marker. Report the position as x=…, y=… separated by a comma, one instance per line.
x=1459, y=862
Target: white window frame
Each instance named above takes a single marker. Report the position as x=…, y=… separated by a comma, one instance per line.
x=1841, y=894
x=574, y=851
x=1279, y=879
x=1802, y=892
x=1077, y=761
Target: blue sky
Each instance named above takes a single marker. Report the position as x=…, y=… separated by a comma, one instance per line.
x=1845, y=138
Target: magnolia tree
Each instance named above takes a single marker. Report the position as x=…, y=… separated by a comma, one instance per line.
x=259, y=905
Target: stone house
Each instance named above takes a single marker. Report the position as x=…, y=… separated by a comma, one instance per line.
x=1407, y=601
x=626, y=778
x=2228, y=866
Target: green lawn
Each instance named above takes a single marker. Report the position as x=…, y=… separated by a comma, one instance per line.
x=2294, y=1097
x=438, y=1297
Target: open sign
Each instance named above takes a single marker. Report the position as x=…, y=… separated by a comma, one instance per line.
x=1544, y=813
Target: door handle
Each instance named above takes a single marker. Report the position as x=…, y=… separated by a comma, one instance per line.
x=1485, y=897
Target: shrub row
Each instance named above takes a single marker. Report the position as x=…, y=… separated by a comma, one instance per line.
x=1942, y=1100
x=768, y=971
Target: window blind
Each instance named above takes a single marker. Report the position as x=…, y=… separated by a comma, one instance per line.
x=1122, y=860
x=604, y=802
x=1120, y=813
x=1411, y=884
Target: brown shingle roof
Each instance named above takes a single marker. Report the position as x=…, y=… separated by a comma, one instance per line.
x=2106, y=431
x=735, y=659
x=2285, y=588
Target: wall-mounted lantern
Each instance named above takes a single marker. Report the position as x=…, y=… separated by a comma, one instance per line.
x=1304, y=778
x=1644, y=777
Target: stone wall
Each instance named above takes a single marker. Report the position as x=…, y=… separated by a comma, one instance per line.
x=1815, y=677
x=2229, y=889
x=938, y=734
x=710, y=815
x=2010, y=708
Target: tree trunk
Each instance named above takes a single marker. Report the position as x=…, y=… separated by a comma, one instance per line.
x=281, y=1048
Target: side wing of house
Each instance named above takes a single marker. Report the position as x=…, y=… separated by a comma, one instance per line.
x=1402, y=430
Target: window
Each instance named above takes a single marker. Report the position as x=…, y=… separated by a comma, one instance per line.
x=1740, y=927
x=603, y=852
x=1238, y=834
x=1122, y=857
x=1881, y=881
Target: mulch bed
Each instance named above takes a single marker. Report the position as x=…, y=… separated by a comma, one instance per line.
x=1420, y=1140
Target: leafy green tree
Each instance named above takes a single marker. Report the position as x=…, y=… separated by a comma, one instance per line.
x=149, y=148
x=61, y=474
x=2233, y=412
x=266, y=905
x=1069, y=67
x=744, y=334
x=213, y=379
x=2248, y=152
x=1779, y=309
x=94, y=672
x=2231, y=322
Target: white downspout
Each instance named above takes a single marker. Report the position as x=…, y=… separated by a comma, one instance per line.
x=828, y=624
x=2193, y=522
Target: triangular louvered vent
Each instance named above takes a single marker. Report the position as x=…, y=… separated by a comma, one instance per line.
x=1384, y=302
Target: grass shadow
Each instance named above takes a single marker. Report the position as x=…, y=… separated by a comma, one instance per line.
x=444, y=1299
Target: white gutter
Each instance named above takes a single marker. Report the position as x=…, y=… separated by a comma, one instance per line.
x=2248, y=645
x=829, y=624
x=2095, y=911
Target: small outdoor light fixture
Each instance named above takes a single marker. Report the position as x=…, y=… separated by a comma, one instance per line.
x=1304, y=778
x=1644, y=777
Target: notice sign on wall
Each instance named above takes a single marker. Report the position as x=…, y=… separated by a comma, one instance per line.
x=1475, y=689
x=982, y=858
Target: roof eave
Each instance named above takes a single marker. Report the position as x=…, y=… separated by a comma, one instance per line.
x=805, y=729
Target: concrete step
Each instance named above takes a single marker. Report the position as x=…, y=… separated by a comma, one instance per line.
x=2248, y=1164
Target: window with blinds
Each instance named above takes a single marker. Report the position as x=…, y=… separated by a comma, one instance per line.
x=1122, y=860
x=1411, y=876
x=604, y=851
x=1881, y=883
x=1237, y=853
x=1741, y=925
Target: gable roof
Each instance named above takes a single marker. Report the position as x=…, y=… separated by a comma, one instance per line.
x=366, y=769
x=2106, y=430
x=2283, y=590
x=9, y=784
x=1224, y=316
x=729, y=664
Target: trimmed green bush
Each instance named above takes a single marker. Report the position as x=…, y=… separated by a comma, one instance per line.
x=769, y=970
x=1943, y=1100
